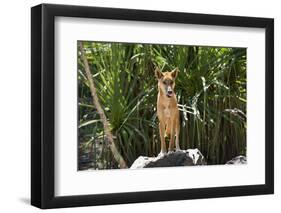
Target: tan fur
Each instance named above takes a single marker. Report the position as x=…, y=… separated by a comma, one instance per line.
x=167, y=109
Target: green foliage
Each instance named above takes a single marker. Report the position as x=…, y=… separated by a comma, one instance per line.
x=211, y=92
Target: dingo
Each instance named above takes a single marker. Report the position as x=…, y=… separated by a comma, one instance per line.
x=167, y=109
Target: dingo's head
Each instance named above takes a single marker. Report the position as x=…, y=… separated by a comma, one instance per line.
x=166, y=81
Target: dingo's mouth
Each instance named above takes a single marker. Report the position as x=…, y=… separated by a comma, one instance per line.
x=169, y=95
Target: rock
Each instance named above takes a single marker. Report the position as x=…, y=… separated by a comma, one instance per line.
x=141, y=162
x=189, y=157
x=238, y=160
x=196, y=155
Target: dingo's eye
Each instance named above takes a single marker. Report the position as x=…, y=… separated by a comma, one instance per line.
x=165, y=82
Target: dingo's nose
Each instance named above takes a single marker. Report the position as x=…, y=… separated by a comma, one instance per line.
x=169, y=90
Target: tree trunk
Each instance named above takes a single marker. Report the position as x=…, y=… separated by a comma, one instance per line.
x=108, y=134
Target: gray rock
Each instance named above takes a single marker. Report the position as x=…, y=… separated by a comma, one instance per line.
x=189, y=157
x=196, y=156
x=238, y=160
x=141, y=162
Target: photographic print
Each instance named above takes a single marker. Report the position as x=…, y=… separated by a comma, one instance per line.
x=160, y=105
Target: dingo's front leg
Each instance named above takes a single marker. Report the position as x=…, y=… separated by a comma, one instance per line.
x=172, y=136
x=162, y=138
x=177, y=137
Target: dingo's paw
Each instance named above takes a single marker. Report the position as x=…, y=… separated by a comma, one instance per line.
x=178, y=150
x=170, y=151
x=162, y=154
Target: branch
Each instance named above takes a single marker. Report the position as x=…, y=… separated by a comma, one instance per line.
x=103, y=118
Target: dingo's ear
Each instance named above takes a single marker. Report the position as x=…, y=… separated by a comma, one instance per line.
x=158, y=73
x=175, y=72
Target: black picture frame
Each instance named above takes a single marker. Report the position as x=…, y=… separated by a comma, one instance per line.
x=43, y=102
